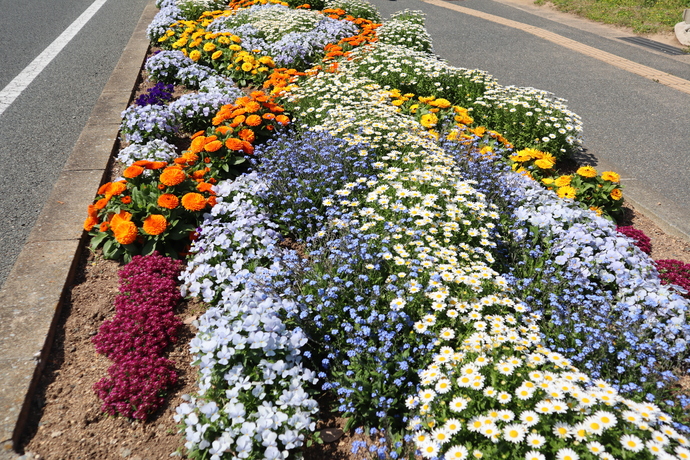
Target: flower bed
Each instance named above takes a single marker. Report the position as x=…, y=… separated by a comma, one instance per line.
x=436, y=288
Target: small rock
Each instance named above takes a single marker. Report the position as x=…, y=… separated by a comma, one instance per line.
x=55, y=434
x=330, y=434
x=189, y=320
x=125, y=452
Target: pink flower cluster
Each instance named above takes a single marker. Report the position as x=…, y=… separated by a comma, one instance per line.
x=673, y=271
x=137, y=336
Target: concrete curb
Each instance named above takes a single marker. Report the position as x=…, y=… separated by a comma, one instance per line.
x=31, y=298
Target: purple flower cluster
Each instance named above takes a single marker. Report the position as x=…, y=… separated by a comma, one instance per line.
x=641, y=240
x=158, y=95
x=674, y=272
x=136, y=337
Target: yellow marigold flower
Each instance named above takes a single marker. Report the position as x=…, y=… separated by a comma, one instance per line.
x=216, y=55
x=168, y=201
x=267, y=60
x=478, y=131
x=520, y=158
x=616, y=194
x=562, y=181
x=547, y=181
x=611, y=176
x=596, y=209
x=172, y=176
x=566, y=192
x=463, y=119
x=235, y=47
x=209, y=46
x=398, y=102
x=413, y=108
x=246, y=67
x=425, y=100
x=235, y=38
x=544, y=163
x=155, y=224
x=441, y=103
x=193, y=201
x=195, y=55
x=587, y=171
x=429, y=120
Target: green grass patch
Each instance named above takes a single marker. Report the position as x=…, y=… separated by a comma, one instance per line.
x=642, y=16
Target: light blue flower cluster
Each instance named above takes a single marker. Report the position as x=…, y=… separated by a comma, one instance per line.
x=176, y=68
x=141, y=124
x=194, y=111
x=154, y=150
x=613, y=302
x=168, y=14
x=252, y=399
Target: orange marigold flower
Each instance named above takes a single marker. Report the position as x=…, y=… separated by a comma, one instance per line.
x=213, y=146
x=247, y=148
x=103, y=188
x=252, y=106
x=238, y=120
x=126, y=232
x=158, y=165
x=92, y=211
x=197, y=144
x=161, y=187
x=193, y=201
x=282, y=119
x=172, y=176
x=126, y=199
x=104, y=226
x=233, y=143
x=204, y=187
x=155, y=224
x=259, y=96
x=90, y=222
x=190, y=157
x=253, y=120
x=212, y=201
x=199, y=174
x=168, y=201
x=100, y=204
x=247, y=135
x=616, y=194
x=197, y=134
x=116, y=188
x=223, y=130
x=133, y=171
x=142, y=163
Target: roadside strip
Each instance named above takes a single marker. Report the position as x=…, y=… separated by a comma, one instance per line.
x=32, y=296
x=649, y=73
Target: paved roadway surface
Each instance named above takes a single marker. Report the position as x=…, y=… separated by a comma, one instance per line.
x=39, y=130
x=633, y=125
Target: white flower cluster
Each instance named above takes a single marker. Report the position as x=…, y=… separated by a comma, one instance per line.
x=251, y=400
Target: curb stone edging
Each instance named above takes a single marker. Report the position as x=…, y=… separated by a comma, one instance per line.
x=32, y=296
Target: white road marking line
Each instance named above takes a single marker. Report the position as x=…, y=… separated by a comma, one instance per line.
x=14, y=88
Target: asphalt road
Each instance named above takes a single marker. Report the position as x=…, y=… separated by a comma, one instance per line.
x=631, y=124
x=39, y=130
